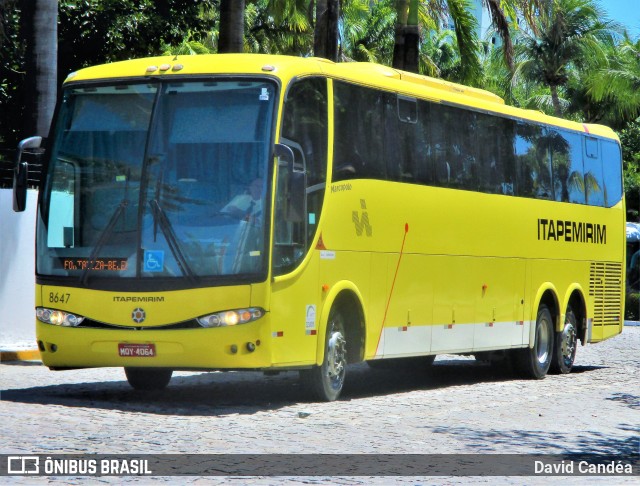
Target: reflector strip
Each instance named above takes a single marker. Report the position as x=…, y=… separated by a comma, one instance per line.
x=403, y=328
x=520, y=323
x=311, y=332
x=277, y=334
x=449, y=326
x=489, y=324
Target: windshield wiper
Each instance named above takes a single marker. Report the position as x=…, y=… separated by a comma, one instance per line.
x=160, y=217
x=104, y=236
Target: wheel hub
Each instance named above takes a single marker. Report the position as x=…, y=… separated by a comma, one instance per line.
x=568, y=342
x=336, y=354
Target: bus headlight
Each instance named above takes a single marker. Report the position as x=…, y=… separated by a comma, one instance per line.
x=231, y=317
x=57, y=317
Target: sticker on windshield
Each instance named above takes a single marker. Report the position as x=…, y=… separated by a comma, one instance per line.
x=153, y=260
x=264, y=95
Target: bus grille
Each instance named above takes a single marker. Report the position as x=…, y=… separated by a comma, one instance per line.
x=605, y=285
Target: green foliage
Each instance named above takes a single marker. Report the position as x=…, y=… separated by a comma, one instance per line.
x=97, y=31
x=371, y=39
x=11, y=73
x=567, y=36
x=630, y=140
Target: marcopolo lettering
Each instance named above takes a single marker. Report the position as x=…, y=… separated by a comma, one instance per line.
x=572, y=231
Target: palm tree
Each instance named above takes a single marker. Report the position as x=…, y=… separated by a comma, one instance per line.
x=367, y=33
x=231, y=26
x=325, y=42
x=39, y=21
x=569, y=35
x=615, y=86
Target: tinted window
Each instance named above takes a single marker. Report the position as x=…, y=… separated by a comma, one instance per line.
x=566, y=163
x=533, y=162
x=304, y=129
x=495, y=155
x=612, y=167
x=593, y=177
x=394, y=137
x=359, y=115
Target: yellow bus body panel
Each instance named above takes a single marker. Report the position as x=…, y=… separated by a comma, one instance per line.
x=435, y=270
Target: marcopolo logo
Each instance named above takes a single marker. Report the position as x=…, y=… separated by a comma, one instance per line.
x=361, y=223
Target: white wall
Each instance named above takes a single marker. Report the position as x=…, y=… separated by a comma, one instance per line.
x=17, y=272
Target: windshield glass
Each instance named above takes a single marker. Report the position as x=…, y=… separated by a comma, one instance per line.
x=158, y=180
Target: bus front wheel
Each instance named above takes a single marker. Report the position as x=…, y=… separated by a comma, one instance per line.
x=148, y=378
x=534, y=362
x=565, y=346
x=325, y=382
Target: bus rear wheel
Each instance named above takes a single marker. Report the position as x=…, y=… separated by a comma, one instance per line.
x=565, y=345
x=534, y=362
x=148, y=378
x=325, y=382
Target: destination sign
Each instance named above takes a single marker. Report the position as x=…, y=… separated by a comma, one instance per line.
x=96, y=264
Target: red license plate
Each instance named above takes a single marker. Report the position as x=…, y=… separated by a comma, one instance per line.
x=127, y=350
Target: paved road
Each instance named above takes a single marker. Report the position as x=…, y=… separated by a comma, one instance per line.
x=459, y=406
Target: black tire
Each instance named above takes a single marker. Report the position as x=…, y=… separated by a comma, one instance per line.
x=148, y=378
x=534, y=362
x=565, y=345
x=325, y=382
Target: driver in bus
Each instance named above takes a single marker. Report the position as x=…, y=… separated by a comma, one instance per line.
x=247, y=204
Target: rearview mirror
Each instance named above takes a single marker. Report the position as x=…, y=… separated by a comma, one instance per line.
x=20, y=173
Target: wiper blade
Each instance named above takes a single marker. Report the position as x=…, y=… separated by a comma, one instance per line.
x=104, y=236
x=160, y=217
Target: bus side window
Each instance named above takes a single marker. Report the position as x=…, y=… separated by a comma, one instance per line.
x=490, y=169
x=612, y=167
x=533, y=162
x=439, y=146
x=566, y=162
x=424, y=160
x=593, y=176
x=359, y=115
x=305, y=130
x=408, y=150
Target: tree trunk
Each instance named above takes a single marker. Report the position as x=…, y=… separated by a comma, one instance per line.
x=325, y=36
x=406, y=50
x=555, y=99
x=40, y=29
x=402, y=12
x=231, y=37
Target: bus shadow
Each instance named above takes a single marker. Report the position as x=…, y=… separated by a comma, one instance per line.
x=246, y=393
x=588, y=443
x=442, y=374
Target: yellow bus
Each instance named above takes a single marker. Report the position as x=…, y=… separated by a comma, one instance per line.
x=252, y=212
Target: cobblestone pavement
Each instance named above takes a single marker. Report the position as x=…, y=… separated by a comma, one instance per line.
x=457, y=407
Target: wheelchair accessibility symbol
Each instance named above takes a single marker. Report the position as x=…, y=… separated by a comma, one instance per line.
x=153, y=260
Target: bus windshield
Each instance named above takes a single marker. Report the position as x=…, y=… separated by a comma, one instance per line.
x=159, y=180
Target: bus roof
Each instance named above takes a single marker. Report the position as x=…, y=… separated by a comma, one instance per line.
x=288, y=67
